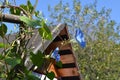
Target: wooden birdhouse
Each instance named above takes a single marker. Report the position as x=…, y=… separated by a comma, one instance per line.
x=69, y=69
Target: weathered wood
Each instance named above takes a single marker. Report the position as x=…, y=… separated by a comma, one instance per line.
x=10, y=18
x=68, y=72
x=53, y=45
x=67, y=58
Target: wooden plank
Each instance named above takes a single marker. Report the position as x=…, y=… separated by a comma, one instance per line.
x=61, y=45
x=65, y=47
x=64, y=72
x=53, y=45
x=67, y=58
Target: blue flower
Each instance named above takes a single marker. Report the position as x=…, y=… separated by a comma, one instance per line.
x=55, y=55
x=80, y=38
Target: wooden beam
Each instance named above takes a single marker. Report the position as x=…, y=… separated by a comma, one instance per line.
x=10, y=18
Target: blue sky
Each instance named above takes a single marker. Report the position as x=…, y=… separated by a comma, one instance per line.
x=112, y=4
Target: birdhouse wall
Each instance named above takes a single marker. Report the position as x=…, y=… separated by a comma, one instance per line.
x=69, y=70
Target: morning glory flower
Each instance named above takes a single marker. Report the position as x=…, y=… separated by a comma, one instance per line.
x=55, y=55
x=80, y=38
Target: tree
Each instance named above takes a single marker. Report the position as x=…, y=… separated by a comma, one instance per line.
x=15, y=53
x=100, y=59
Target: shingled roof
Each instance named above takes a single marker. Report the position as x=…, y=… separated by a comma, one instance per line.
x=35, y=41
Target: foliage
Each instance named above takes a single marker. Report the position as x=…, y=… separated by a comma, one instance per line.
x=37, y=59
x=44, y=31
x=100, y=59
x=14, y=53
x=50, y=75
x=3, y=30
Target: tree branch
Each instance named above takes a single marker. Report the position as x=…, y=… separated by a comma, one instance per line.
x=10, y=18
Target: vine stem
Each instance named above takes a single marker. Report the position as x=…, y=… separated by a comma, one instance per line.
x=7, y=69
x=12, y=6
x=36, y=2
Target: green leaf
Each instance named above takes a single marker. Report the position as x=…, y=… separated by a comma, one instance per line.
x=29, y=6
x=3, y=30
x=2, y=75
x=24, y=7
x=37, y=59
x=36, y=13
x=12, y=61
x=59, y=64
x=15, y=11
x=27, y=20
x=30, y=76
x=2, y=45
x=30, y=22
x=50, y=75
x=45, y=32
x=1, y=56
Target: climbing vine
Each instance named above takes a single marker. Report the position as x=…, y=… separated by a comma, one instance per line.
x=13, y=54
